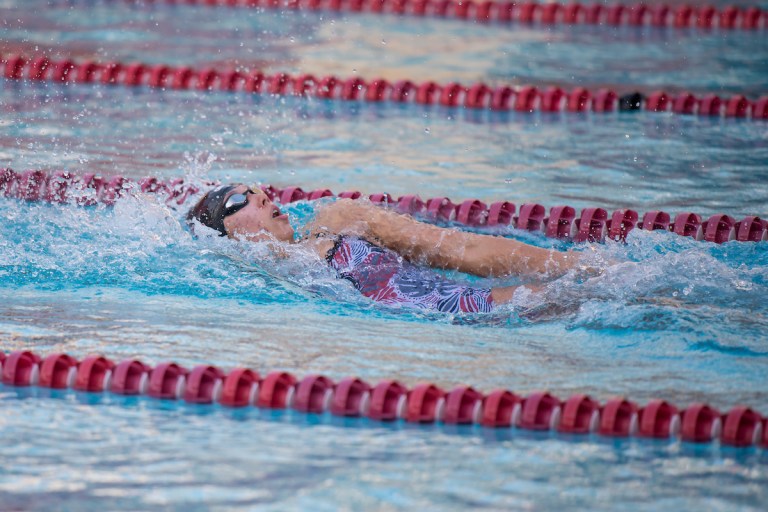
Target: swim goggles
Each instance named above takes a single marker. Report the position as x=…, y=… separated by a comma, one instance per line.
x=235, y=203
x=213, y=208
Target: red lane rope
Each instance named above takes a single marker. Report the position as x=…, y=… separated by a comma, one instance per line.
x=388, y=400
x=562, y=222
x=452, y=95
x=484, y=11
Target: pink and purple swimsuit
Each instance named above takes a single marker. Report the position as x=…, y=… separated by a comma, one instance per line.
x=383, y=276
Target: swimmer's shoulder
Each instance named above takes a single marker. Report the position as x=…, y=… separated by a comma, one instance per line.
x=343, y=216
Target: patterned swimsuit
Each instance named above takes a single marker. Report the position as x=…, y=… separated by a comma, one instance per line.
x=383, y=276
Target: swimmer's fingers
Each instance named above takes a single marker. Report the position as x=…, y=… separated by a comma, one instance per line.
x=660, y=301
x=593, y=263
x=587, y=271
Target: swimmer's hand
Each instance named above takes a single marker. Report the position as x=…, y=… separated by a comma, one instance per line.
x=591, y=263
x=584, y=272
x=660, y=301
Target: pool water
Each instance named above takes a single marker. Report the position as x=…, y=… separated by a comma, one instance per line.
x=669, y=317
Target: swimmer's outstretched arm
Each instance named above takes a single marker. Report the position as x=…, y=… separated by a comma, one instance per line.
x=481, y=255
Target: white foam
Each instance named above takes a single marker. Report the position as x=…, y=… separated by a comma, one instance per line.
x=365, y=403
x=107, y=381
x=181, y=383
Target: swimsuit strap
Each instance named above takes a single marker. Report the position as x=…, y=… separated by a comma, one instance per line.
x=337, y=241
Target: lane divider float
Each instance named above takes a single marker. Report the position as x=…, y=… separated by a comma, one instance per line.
x=452, y=95
x=704, y=17
x=389, y=400
x=562, y=222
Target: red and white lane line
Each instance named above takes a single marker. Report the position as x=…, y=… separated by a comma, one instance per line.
x=592, y=224
x=685, y=16
x=477, y=96
x=389, y=400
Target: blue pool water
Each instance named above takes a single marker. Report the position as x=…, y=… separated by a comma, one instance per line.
x=669, y=317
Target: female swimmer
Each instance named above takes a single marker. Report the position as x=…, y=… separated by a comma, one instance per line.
x=384, y=253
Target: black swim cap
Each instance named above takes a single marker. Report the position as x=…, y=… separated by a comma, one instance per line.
x=209, y=211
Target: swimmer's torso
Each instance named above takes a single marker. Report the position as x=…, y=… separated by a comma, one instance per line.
x=383, y=276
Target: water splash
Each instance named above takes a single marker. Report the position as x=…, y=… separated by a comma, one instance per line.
x=655, y=282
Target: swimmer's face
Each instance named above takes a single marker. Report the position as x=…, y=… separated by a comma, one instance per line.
x=258, y=220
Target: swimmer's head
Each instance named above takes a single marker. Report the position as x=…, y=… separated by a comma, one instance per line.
x=241, y=212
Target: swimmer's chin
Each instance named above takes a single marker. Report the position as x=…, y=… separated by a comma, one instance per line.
x=263, y=236
x=265, y=240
